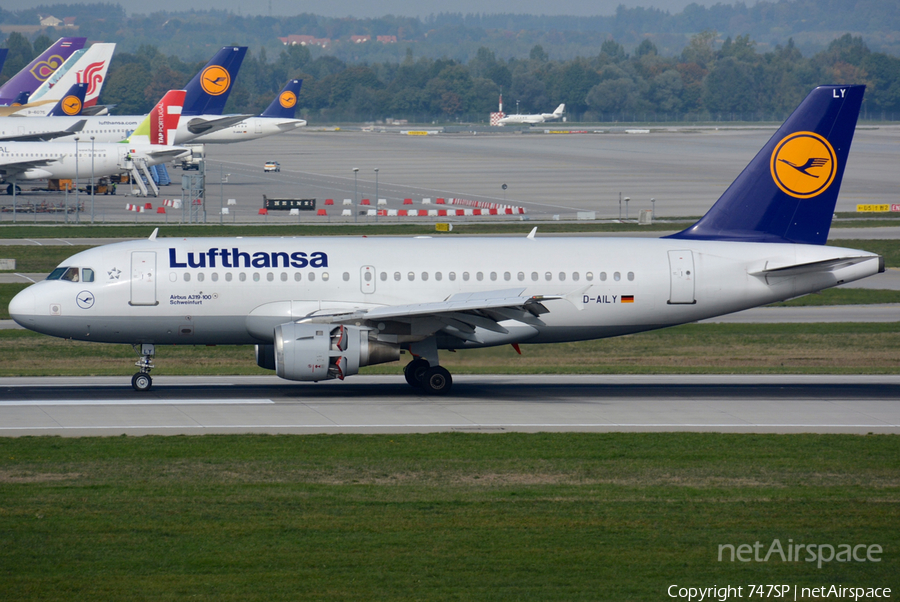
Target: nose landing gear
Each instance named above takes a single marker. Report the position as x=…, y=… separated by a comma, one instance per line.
x=141, y=381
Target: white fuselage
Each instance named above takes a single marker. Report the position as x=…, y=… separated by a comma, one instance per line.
x=250, y=129
x=238, y=290
x=64, y=161
x=104, y=128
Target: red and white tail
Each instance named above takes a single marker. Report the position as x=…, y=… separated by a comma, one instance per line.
x=161, y=123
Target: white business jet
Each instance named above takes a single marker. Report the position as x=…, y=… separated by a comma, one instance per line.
x=533, y=119
x=320, y=308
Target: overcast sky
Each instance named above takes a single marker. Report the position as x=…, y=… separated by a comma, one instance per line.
x=411, y=8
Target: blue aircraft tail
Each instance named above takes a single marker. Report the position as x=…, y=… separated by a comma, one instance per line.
x=285, y=104
x=207, y=92
x=72, y=103
x=789, y=191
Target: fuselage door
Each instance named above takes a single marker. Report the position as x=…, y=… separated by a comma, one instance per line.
x=681, y=273
x=367, y=279
x=143, y=278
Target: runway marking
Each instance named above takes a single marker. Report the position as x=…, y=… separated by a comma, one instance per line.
x=133, y=402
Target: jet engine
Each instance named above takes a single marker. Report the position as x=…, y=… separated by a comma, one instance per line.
x=324, y=351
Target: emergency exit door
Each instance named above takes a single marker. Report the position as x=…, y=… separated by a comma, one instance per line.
x=143, y=278
x=681, y=277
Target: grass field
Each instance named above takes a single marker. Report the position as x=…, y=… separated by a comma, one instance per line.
x=858, y=348
x=436, y=517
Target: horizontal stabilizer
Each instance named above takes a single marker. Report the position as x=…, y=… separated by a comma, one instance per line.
x=202, y=125
x=828, y=265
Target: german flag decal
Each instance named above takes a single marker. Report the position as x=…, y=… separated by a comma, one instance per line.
x=627, y=298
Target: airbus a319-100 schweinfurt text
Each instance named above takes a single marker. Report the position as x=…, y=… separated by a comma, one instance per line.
x=320, y=308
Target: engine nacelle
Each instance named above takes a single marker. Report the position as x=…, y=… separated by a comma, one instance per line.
x=324, y=351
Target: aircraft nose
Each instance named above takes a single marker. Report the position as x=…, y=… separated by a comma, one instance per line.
x=21, y=308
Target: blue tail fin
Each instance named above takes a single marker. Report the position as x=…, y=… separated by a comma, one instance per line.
x=72, y=103
x=208, y=91
x=789, y=191
x=285, y=103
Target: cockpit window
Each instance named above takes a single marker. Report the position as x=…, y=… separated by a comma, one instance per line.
x=56, y=274
x=87, y=275
x=71, y=275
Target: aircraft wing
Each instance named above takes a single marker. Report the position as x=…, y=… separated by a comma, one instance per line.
x=15, y=168
x=43, y=136
x=167, y=152
x=202, y=125
x=457, y=315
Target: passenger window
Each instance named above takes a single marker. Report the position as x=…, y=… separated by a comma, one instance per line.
x=548, y=276
x=493, y=275
x=437, y=276
x=411, y=276
x=617, y=276
x=603, y=276
x=297, y=276
x=397, y=276
x=284, y=276
x=575, y=276
x=466, y=276
x=631, y=276
x=215, y=276
x=424, y=275
x=479, y=276
x=200, y=277
x=187, y=276
x=383, y=276
x=325, y=276
x=270, y=276
x=534, y=276
x=242, y=277
x=255, y=276
x=312, y=276
x=347, y=276
x=228, y=276
x=87, y=275
x=589, y=276
x=562, y=276
x=521, y=276
x=452, y=276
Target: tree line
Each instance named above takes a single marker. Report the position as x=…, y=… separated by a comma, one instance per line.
x=720, y=79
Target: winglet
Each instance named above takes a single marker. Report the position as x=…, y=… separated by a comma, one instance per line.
x=532, y=233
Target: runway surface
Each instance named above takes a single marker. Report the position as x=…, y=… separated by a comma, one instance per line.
x=196, y=405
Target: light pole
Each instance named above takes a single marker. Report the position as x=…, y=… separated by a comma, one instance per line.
x=376, y=194
x=77, y=207
x=626, y=206
x=653, y=204
x=355, y=195
x=92, y=179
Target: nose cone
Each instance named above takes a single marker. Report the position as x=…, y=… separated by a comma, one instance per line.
x=21, y=308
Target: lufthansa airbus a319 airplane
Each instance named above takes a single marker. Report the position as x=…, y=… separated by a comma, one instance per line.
x=320, y=308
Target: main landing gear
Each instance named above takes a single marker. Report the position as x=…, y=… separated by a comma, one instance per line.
x=141, y=381
x=435, y=380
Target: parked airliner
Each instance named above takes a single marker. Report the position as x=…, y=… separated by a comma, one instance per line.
x=276, y=119
x=200, y=96
x=533, y=119
x=319, y=308
x=150, y=142
x=34, y=73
